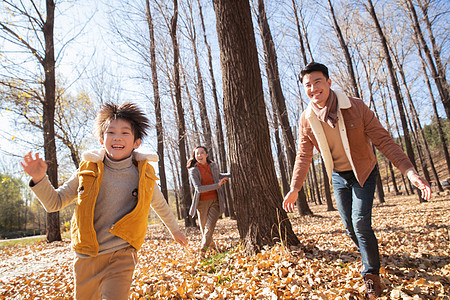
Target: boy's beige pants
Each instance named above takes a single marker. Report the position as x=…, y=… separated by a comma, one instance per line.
x=107, y=276
x=208, y=214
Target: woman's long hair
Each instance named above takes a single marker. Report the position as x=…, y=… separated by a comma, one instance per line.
x=192, y=161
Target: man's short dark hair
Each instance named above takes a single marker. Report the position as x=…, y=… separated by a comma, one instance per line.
x=312, y=67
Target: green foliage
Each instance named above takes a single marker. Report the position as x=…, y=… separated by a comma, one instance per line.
x=432, y=134
x=21, y=214
x=11, y=203
x=214, y=262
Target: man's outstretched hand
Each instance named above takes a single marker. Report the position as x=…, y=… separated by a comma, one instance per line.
x=422, y=185
x=289, y=200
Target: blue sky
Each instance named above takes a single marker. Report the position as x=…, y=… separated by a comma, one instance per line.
x=95, y=51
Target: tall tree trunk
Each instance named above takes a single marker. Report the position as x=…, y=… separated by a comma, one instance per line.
x=185, y=188
x=319, y=180
x=388, y=162
x=395, y=86
x=419, y=130
x=326, y=183
x=436, y=50
x=176, y=170
x=261, y=219
x=199, y=87
x=277, y=96
x=176, y=176
x=303, y=38
x=299, y=33
x=280, y=154
x=53, y=223
x=157, y=103
x=406, y=184
x=379, y=187
x=418, y=144
x=394, y=182
x=348, y=58
x=302, y=32
x=433, y=102
x=195, y=130
x=310, y=188
x=219, y=127
x=302, y=204
x=438, y=75
x=315, y=182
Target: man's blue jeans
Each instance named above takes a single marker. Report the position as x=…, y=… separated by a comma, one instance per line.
x=354, y=204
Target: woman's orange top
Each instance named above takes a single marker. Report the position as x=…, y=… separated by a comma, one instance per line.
x=207, y=179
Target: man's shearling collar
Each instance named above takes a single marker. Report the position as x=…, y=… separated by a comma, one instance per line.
x=98, y=155
x=342, y=100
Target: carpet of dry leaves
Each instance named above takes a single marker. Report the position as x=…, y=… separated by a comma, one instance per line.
x=414, y=245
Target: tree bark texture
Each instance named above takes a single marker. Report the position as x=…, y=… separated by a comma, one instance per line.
x=348, y=58
x=206, y=126
x=439, y=77
x=418, y=129
x=326, y=184
x=400, y=139
x=219, y=127
x=280, y=155
x=395, y=86
x=436, y=53
x=53, y=224
x=195, y=130
x=176, y=176
x=379, y=187
x=299, y=33
x=185, y=187
x=315, y=183
x=157, y=103
x=388, y=163
x=277, y=97
x=261, y=219
x=433, y=102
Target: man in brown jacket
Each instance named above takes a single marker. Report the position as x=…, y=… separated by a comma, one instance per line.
x=343, y=129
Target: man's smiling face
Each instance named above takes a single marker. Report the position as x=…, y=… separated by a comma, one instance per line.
x=317, y=87
x=118, y=140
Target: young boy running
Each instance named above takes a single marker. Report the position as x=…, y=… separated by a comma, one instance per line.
x=114, y=188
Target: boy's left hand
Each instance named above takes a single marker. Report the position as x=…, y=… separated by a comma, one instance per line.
x=180, y=238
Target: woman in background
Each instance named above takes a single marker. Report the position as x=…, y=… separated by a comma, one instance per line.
x=209, y=198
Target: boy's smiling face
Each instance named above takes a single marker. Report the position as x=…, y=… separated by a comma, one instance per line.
x=118, y=140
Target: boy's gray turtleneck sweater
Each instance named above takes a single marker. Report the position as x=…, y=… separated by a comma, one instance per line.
x=116, y=198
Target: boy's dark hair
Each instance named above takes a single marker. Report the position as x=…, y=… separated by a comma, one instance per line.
x=127, y=111
x=312, y=67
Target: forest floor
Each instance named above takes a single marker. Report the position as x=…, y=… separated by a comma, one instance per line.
x=414, y=248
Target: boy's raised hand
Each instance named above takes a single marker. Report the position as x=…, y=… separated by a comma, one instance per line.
x=35, y=167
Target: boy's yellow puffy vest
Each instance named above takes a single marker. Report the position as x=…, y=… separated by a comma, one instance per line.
x=132, y=227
